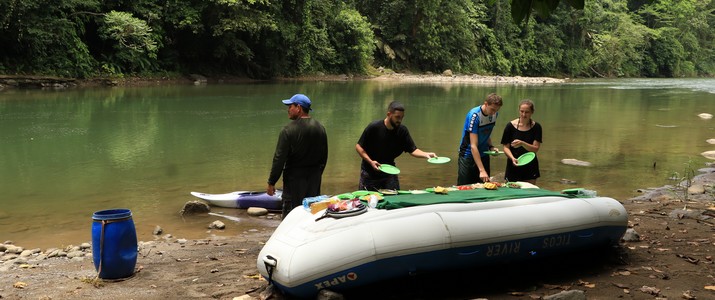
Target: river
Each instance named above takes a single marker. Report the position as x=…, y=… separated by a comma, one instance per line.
x=68, y=153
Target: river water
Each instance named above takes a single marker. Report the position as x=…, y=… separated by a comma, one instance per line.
x=66, y=154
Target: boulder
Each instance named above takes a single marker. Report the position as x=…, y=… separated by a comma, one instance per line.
x=257, y=211
x=195, y=207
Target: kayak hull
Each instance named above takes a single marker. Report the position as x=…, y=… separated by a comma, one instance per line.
x=243, y=199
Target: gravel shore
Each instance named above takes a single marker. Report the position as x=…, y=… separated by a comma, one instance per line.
x=668, y=254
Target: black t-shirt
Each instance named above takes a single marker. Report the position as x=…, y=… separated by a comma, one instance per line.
x=384, y=145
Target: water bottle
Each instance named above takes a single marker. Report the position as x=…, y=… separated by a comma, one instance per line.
x=372, y=203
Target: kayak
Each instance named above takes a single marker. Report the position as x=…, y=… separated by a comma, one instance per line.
x=243, y=199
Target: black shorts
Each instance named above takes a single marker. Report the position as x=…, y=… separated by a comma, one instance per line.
x=468, y=173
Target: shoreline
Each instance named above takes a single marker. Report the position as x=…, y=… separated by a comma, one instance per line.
x=9, y=82
x=671, y=254
x=702, y=189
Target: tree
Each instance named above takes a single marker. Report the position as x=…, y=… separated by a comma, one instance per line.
x=46, y=39
x=521, y=9
x=429, y=35
x=353, y=41
x=683, y=41
x=135, y=46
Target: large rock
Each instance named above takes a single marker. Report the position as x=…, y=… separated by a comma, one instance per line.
x=708, y=154
x=195, y=207
x=257, y=211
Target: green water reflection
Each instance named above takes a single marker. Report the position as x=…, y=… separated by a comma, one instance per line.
x=67, y=154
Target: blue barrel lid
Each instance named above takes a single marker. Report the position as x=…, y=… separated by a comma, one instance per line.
x=112, y=214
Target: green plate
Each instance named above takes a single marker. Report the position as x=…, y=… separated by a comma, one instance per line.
x=525, y=158
x=403, y=192
x=439, y=160
x=573, y=191
x=360, y=193
x=493, y=153
x=431, y=190
x=387, y=192
x=346, y=196
x=389, y=169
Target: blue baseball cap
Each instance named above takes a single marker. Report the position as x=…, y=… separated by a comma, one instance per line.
x=299, y=99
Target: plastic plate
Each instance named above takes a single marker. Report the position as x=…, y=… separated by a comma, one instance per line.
x=387, y=192
x=389, y=169
x=439, y=160
x=525, y=158
x=346, y=196
x=360, y=193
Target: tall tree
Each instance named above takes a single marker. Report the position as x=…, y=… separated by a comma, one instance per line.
x=134, y=44
x=616, y=40
x=46, y=37
x=429, y=35
x=682, y=44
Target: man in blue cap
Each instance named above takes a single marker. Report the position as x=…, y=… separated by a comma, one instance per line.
x=301, y=155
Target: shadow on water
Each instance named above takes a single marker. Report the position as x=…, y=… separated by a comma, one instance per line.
x=498, y=281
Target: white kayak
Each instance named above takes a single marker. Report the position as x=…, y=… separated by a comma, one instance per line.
x=243, y=199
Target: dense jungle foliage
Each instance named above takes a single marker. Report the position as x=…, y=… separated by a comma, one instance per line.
x=269, y=38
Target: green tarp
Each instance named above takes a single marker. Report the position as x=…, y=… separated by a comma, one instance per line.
x=466, y=196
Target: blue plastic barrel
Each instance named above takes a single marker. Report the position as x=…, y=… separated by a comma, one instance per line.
x=114, y=243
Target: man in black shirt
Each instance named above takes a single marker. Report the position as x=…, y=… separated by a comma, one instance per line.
x=380, y=143
x=301, y=155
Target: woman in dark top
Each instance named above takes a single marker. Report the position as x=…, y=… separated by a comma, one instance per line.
x=520, y=136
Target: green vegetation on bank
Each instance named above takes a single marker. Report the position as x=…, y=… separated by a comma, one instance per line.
x=264, y=38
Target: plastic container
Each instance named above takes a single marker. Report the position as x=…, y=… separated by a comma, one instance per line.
x=114, y=243
x=307, y=201
x=372, y=203
x=588, y=193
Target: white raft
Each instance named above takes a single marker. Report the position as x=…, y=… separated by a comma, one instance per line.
x=304, y=256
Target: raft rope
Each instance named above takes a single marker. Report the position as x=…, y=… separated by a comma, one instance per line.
x=101, y=241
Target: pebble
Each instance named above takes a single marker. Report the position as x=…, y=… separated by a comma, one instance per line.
x=217, y=225
x=567, y=295
x=631, y=235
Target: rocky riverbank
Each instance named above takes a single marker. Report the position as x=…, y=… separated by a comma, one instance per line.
x=667, y=254
x=8, y=82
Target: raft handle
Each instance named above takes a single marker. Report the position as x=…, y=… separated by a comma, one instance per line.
x=270, y=262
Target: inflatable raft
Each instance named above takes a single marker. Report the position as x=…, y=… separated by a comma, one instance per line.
x=431, y=232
